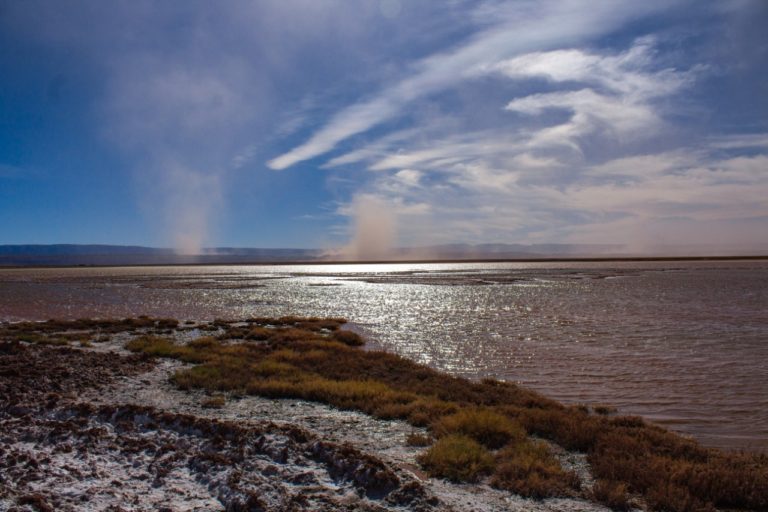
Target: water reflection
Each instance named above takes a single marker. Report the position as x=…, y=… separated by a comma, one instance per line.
x=681, y=343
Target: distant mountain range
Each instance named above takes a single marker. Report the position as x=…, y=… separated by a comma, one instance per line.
x=72, y=254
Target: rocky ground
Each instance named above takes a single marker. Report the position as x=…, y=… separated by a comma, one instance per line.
x=100, y=429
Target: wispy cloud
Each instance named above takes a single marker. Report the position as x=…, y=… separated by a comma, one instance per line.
x=619, y=99
x=740, y=141
x=581, y=171
x=525, y=28
x=461, y=121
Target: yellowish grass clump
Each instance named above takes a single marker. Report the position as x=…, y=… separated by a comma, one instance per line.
x=164, y=347
x=458, y=458
x=308, y=359
x=487, y=427
x=530, y=469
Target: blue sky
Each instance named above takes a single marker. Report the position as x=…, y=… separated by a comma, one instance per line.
x=339, y=124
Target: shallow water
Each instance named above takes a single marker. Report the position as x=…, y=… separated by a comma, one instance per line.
x=682, y=343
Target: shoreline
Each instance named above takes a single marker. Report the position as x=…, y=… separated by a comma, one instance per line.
x=563, y=346
x=114, y=418
x=618, y=259
x=170, y=390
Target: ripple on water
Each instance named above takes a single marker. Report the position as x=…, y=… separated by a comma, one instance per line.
x=684, y=344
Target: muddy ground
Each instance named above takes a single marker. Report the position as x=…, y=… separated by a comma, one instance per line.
x=98, y=429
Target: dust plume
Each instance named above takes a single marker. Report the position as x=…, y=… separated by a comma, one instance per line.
x=374, y=230
x=191, y=202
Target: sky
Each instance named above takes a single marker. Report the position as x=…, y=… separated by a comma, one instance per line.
x=341, y=124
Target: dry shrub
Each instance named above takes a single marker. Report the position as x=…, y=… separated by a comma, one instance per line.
x=270, y=368
x=303, y=358
x=294, y=356
x=612, y=494
x=425, y=411
x=676, y=474
x=668, y=496
x=362, y=395
x=317, y=324
x=74, y=336
x=164, y=347
x=604, y=410
x=347, y=391
x=89, y=327
x=419, y=412
x=571, y=429
x=457, y=458
x=166, y=323
x=487, y=427
x=39, y=339
x=732, y=480
x=258, y=334
x=292, y=334
x=348, y=338
x=202, y=376
x=419, y=440
x=393, y=411
x=204, y=343
x=530, y=469
x=214, y=402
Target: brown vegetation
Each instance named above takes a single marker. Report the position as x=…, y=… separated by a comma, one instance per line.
x=612, y=494
x=84, y=331
x=487, y=427
x=457, y=458
x=214, y=402
x=530, y=469
x=52, y=442
x=309, y=358
x=604, y=410
x=418, y=440
x=303, y=358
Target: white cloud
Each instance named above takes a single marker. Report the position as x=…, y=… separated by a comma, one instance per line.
x=511, y=183
x=409, y=177
x=618, y=103
x=591, y=112
x=629, y=73
x=243, y=157
x=740, y=141
x=526, y=27
x=440, y=154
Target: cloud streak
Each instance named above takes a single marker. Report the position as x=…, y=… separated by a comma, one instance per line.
x=466, y=121
x=527, y=27
x=573, y=164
